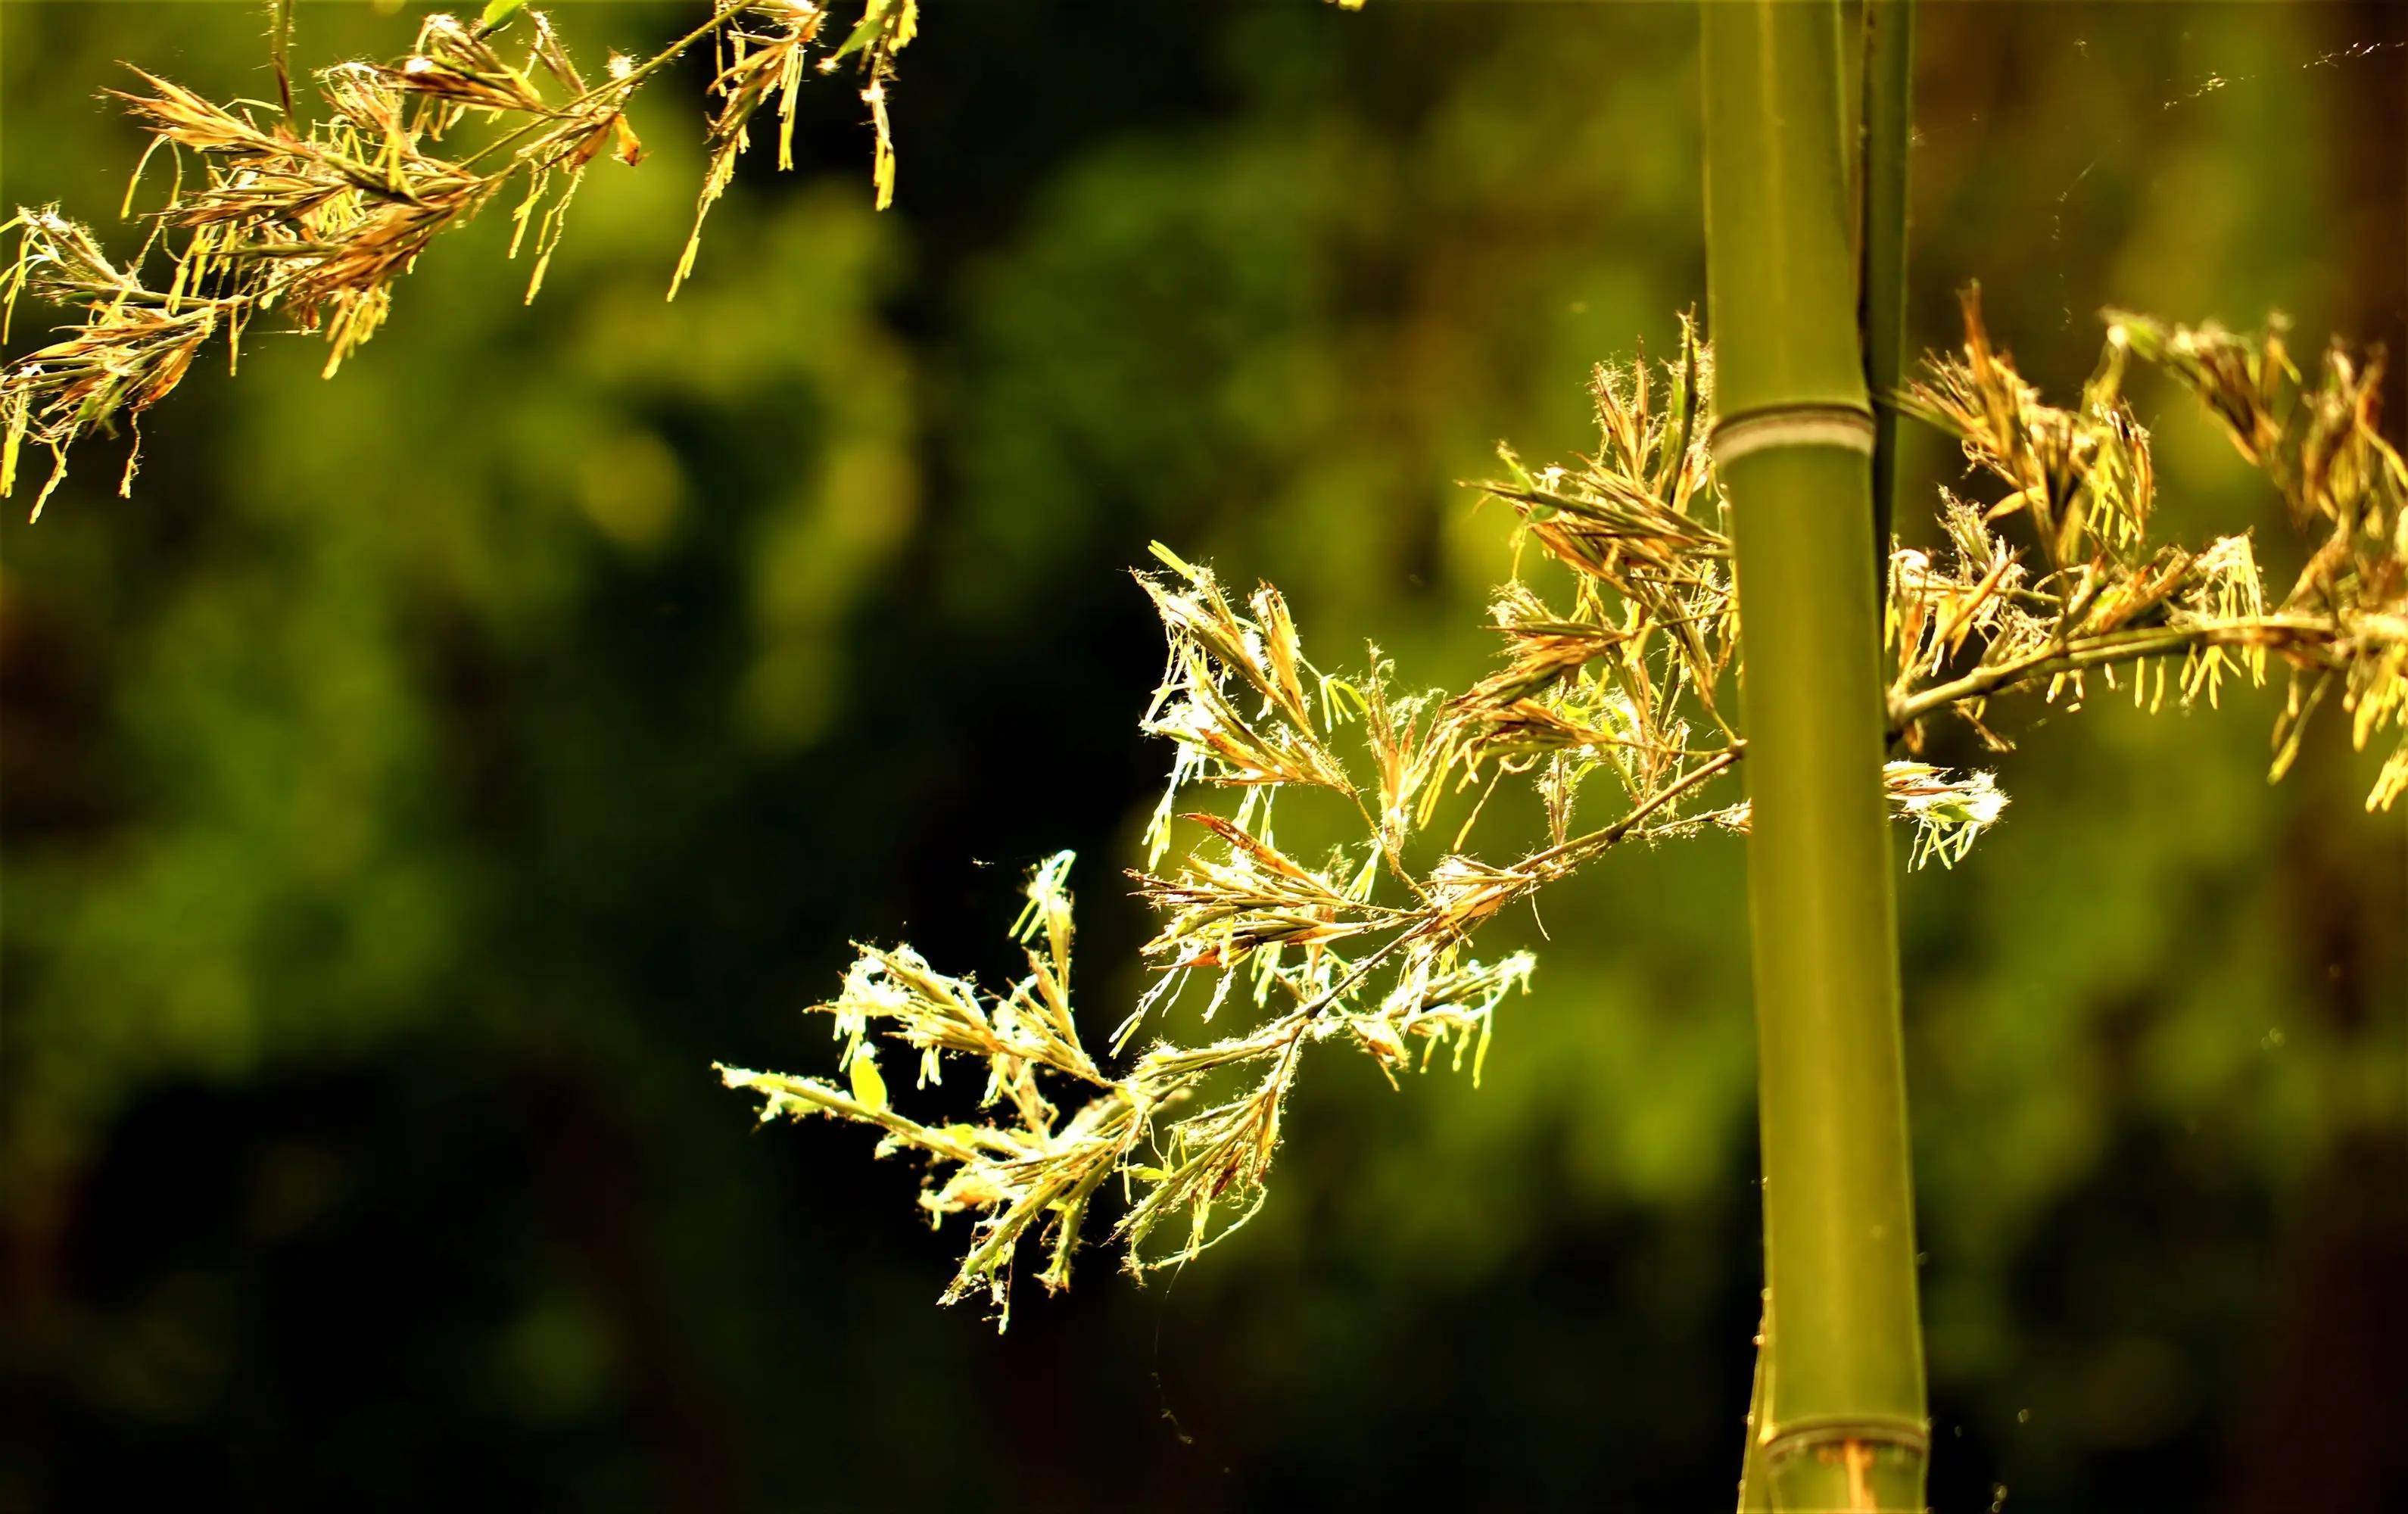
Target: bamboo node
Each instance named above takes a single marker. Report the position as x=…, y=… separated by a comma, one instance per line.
x=1814, y=1432
x=1847, y=426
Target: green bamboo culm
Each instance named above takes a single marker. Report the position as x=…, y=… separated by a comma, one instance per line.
x=1888, y=104
x=1841, y=1425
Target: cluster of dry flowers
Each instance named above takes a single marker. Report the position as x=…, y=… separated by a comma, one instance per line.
x=1616, y=684
x=1615, y=687
x=315, y=220
x=321, y=217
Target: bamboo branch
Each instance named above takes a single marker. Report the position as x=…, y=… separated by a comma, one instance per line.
x=318, y=220
x=2312, y=636
x=1610, y=690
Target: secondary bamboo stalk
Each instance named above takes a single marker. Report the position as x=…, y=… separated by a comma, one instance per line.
x=1841, y=1425
x=1888, y=103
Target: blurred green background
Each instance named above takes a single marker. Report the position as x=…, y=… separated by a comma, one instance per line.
x=425, y=774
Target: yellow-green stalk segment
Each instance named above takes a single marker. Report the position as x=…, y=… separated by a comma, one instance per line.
x=1841, y=1425
x=1888, y=104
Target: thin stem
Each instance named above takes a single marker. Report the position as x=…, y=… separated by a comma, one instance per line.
x=279, y=51
x=2076, y=653
x=811, y=1092
x=1571, y=853
x=623, y=83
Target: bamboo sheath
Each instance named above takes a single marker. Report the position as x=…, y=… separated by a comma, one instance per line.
x=1841, y=1425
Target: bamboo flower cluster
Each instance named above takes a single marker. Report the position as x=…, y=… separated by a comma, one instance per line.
x=324, y=217
x=1613, y=691
x=2091, y=589
x=316, y=220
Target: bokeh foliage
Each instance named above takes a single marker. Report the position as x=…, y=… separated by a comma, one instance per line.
x=425, y=774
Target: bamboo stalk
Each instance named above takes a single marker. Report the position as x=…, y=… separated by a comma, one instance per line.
x=1888, y=106
x=1842, y=1423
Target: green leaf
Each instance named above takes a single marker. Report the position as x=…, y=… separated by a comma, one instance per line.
x=496, y=12
x=873, y=21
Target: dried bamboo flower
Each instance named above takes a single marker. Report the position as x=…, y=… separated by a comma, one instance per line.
x=1615, y=684
x=317, y=220
x=2103, y=594
x=322, y=217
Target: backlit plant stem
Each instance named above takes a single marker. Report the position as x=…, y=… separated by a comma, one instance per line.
x=1842, y=1423
x=2315, y=634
